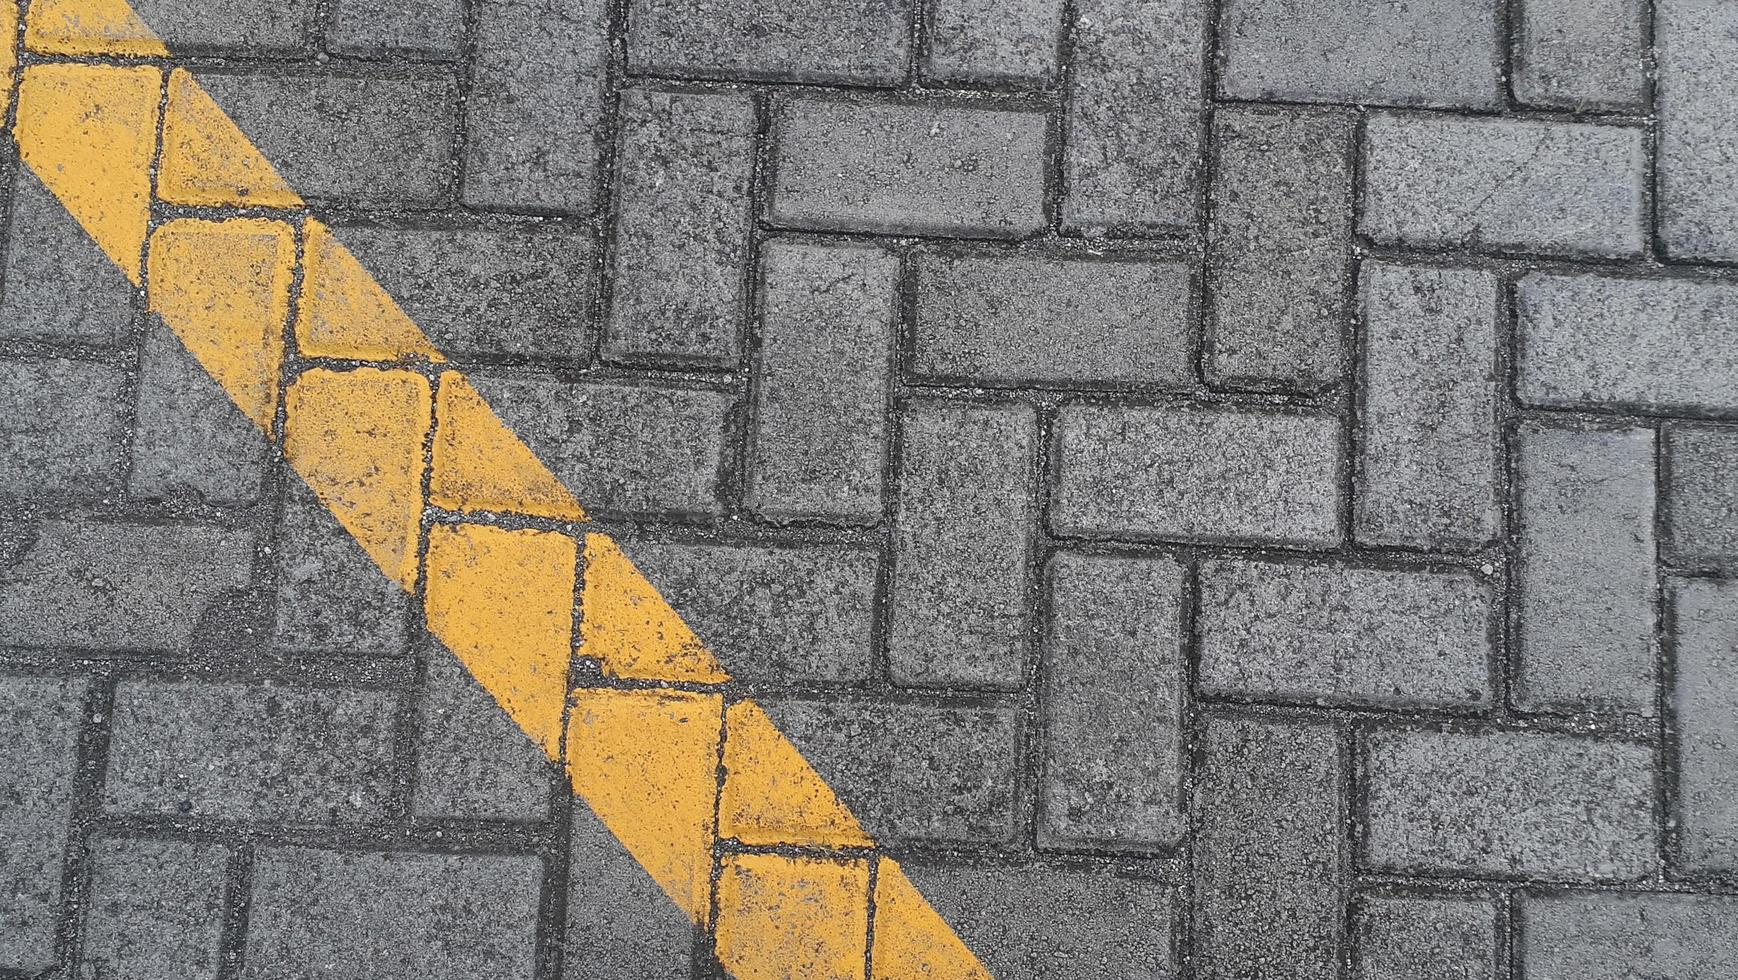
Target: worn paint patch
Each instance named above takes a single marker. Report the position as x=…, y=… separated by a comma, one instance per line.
x=206, y=159
x=480, y=465
x=631, y=630
x=345, y=312
x=771, y=793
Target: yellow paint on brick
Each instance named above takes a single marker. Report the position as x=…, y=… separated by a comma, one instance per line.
x=357, y=438
x=479, y=464
x=88, y=132
x=630, y=630
x=647, y=763
x=345, y=313
x=502, y=602
x=90, y=27
x=224, y=288
x=793, y=918
x=771, y=793
x=911, y=940
x=8, y=51
x=206, y=158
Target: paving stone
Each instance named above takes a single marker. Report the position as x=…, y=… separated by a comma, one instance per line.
x=1342, y=634
x=1445, y=182
x=1401, y=938
x=772, y=614
x=1113, y=699
x=1269, y=819
x=83, y=584
x=156, y=910
x=682, y=224
x=477, y=292
x=1198, y=473
x=1115, y=927
x=1280, y=259
x=989, y=42
x=777, y=40
x=1585, y=570
x=1696, y=44
x=534, y=114
x=246, y=751
x=1702, y=494
x=57, y=284
x=1612, y=936
x=62, y=429
x=1705, y=652
x=620, y=448
x=39, y=724
x=961, y=544
x=382, y=28
x=908, y=168
x=912, y=770
x=229, y=26
x=1662, y=345
x=189, y=439
x=331, y=598
x=1133, y=114
x=472, y=761
x=1428, y=52
x=1009, y=317
x=1508, y=803
x=1581, y=54
x=620, y=925
x=396, y=916
x=355, y=140
x=821, y=383
x=1428, y=430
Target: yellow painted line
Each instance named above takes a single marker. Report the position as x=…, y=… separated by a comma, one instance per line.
x=647, y=761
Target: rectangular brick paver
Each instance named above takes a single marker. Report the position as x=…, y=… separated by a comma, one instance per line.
x=1576, y=54
x=40, y=718
x=990, y=41
x=156, y=909
x=1603, y=936
x=1701, y=505
x=796, y=40
x=1697, y=41
x=1705, y=651
x=1410, y=937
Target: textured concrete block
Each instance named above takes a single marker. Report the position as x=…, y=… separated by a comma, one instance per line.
x=57, y=285
x=1610, y=936
x=1705, y=650
x=40, y=718
x=1425, y=938
x=189, y=439
x=62, y=428
x=472, y=761
x=620, y=925
x=247, y=27
x=156, y=910
x=1581, y=54
x=331, y=598
x=1701, y=495
x=1696, y=44
x=994, y=41
x=383, y=28
x=784, y=40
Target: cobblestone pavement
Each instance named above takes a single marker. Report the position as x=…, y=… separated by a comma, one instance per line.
x=1223, y=488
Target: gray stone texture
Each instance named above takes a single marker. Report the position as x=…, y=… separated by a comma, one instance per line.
x=963, y=534
x=472, y=761
x=40, y=718
x=1016, y=316
x=1201, y=473
x=1280, y=248
x=331, y=597
x=1404, y=938
x=247, y=27
x=57, y=285
x=1581, y=54
x=62, y=430
x=190, y=442
x=1607, y=936
x=682, y=224
x=1508, y=804
x=379, y=28
x=1506, y=185
x=987, y=42
x=1704, y=616
x=783, y=40
x=620, y=925
x=1113, y=704
x=943, y=168
x=155, y=911
x=822, y=383
x=1585, y=570
x=1696, y=44
x=1701, y=505
x=1427, y=434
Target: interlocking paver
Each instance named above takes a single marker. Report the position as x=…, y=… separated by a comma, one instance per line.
x=57, y=285
x=990, y=42
x=1581, y=54
x=619, y=925
x=378, y=28
x=61, y=427
x=1695, y=44
x=156, y=909
x=798, y=40
x=1603, y=936
x=40, y=718
x=1701, y=503
x=188, y=439
x=472, y=762
x=231, y=26
x=1400, y=937
x=329, y=597
x=1705, y=637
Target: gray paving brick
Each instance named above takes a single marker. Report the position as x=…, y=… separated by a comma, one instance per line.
x=994, y=41
x=1433, y=52
x=963, y=535
x=620, y=925
x=1610, y=936
x=472, y=761
x=821, y=383
x=245, y=751
x=1701, y=494
x=1504, y=184
x=1428, y=429
x=39, y=725
x=61, y=427
x=1585, y=570
x=1509, y=803
x=1581, y=54
x=1113, y=695
x=1115, y=927
x=1663, y=345
x=189, y=439
x=1133, y=111
x=535, y=110
x=381, y=28
x=482, y=292
x=784, y=40
x=1280, y=259
x=1705, y=651
x=1269, y=814
x=155, y=912
x=358, y=140
x=332, y=914
x=1696, y=44
x=230, y=26
x=912, y=770
x=1198, y=473
x=772, y=614
x=620, y=448
x=1401, y=938
x=57, y=284
x=1342, y=634
x=1017, y=316
x=83, y=584
x=911, y=168
x=682, y=223
x=331, y=598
